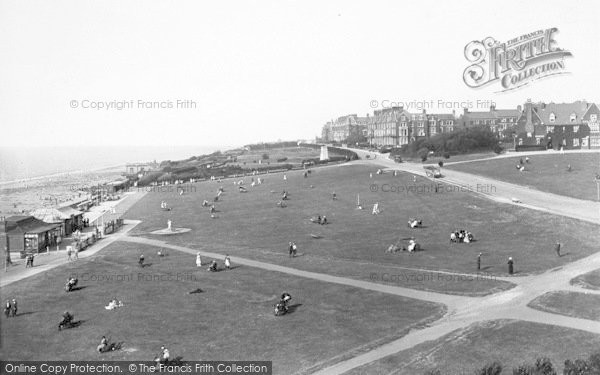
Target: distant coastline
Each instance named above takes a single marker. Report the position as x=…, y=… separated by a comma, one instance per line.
x=24, y=164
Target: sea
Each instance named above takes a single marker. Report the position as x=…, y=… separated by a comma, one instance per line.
x=20, y=164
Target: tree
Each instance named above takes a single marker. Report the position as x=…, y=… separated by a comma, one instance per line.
x=542, y=366
x=494, y=368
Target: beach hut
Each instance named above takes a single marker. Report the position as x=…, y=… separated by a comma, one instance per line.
x=26, y=234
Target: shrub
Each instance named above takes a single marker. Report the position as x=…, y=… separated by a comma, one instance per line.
x=494, y=368
x=542, y=366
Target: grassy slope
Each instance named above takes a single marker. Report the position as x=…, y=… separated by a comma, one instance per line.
x=354, y=243
x=512, y=343
x=544, y=172
x=231, y=319
x=578, y=305
x=590, y=280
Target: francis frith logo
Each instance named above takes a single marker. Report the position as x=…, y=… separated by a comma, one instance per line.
x=514, y=63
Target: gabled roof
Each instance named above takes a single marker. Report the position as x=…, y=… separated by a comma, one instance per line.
x=49, y=215
x=70, y=211
x=508, y=112
x=562, y=111
x=27, y=224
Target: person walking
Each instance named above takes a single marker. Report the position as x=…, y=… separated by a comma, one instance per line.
x=510, y=266
x=557, y=248
x=14, y=307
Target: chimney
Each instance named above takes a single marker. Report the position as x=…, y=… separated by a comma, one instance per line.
x=528, y=124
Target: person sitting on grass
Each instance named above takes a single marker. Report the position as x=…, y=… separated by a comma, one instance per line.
x=103, y=345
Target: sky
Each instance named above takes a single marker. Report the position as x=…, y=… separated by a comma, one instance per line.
x=229, y=73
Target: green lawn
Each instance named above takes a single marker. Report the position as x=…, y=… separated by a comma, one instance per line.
x=544, y=172
x=355, y=242
x=230, y=320
x=578, y=305
x=512, y=343
x=590, y=280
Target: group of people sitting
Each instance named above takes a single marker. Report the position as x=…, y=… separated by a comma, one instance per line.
x=113, y=304
x=412, y=247
x=163, y=356
x=282, y=307
x=414, y=223
x=320, y=220
x=460, y=236
x=10, y=308
x=70, y=284
x=105, y=346
x=214, y=266
x=66, y=321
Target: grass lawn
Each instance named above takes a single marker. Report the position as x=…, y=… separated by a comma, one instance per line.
x=578, y=305
x=590, y=280
x=294, y=155
x=355, y=242
x=544, y=172
x=512, y=343
x=231, y=319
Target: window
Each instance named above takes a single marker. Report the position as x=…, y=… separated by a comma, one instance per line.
x=552, y=117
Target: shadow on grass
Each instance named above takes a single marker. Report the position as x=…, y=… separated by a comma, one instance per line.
x=292, y=308
x=27, y=313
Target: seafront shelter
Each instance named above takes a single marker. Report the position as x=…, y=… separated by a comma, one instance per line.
x=26, y=234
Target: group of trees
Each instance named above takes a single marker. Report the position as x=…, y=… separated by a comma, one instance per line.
x=542, y=366
x=458, y=142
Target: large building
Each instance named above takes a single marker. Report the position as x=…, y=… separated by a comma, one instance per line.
x=498, y=120
x=344, y=127
x=560, y=125
x=389, y=127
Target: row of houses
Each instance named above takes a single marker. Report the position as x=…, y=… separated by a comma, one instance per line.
x=554, y=125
